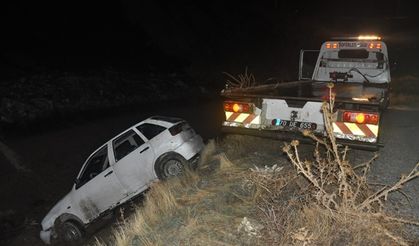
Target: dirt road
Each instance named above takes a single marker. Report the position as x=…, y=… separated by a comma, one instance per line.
x=56, y=155
x=400, y=153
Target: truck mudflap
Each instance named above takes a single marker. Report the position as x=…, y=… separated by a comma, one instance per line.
x=245, y=119
x=356, y=132
x=242, y=119
x=290, y=135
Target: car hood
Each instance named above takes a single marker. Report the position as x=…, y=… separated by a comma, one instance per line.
x=58, y=209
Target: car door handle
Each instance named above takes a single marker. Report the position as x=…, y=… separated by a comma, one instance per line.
x=110, y=172
x=144, y=150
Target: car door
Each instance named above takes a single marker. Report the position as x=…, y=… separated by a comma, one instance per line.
x=308, y=60
x=97, y=187
x=133, y=161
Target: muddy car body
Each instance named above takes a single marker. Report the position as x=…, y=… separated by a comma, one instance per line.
x=121, y=169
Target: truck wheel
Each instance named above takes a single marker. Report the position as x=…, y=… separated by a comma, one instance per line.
x=170, y=166
x=385, y=104
x=70, y=232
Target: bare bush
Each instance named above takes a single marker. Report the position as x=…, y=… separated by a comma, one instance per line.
x=338, y=187
x=241, y=81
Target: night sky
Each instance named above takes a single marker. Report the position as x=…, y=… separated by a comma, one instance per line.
x=213, y=35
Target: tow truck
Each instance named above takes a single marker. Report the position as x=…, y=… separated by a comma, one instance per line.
x=359, y=69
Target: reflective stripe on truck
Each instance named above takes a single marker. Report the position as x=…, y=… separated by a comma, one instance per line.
x=277, y=114
x=242, y=118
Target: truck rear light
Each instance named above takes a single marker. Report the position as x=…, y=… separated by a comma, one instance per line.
x=237, y=107
x=332, y=45
x=360, y=118
x=374, y=45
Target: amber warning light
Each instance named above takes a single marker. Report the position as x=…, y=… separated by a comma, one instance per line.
x=237, y=107
x=369, y=37
x=374, y=46
x=332, y=45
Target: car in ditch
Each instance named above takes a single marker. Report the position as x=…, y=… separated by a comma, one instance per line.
x=121, y=169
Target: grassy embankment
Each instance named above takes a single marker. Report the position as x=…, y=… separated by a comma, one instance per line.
x=318, y=199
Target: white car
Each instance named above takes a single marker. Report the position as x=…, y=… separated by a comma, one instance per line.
x=156, y=148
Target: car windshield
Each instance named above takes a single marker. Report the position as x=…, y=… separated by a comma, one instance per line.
x=353, y=58
x=348, y=55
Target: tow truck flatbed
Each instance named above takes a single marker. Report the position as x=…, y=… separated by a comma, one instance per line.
x=357, y=93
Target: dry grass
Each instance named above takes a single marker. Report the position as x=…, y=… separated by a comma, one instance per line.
x=200, y=208
x=315, y=225
x=341, y=197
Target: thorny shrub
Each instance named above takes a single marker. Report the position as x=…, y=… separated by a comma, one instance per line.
x=338, y=189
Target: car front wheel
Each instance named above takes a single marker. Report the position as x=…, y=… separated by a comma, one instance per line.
x=70, y=232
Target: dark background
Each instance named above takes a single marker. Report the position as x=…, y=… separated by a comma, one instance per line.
x=202, y=38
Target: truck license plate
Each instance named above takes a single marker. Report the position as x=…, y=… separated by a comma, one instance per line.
x=298, y=124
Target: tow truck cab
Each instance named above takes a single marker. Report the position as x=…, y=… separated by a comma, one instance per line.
x=363, y=60
x=360, y=72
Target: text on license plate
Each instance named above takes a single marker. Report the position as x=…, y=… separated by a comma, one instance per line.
x=297, y=124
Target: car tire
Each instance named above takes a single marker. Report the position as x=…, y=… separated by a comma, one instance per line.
x=70, y=233
x=170, y=165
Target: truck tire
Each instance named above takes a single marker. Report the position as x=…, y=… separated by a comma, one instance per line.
x=170, y=165
x=70, y=233
x=387, y=102
x=384, y=105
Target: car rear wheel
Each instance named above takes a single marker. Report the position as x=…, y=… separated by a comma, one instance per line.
x=70, y=232
x=171, y=165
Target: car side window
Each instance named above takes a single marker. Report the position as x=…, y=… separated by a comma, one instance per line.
x=125, y=144
x=97, y=163
x=150, y=130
